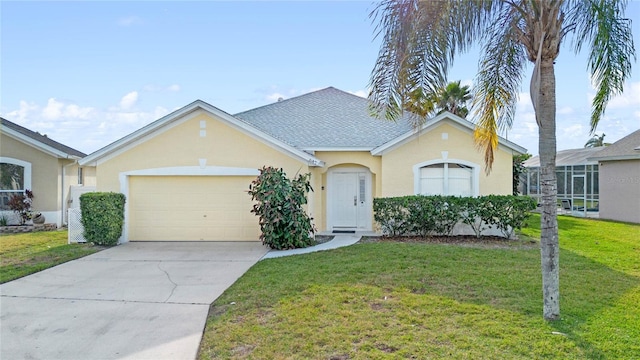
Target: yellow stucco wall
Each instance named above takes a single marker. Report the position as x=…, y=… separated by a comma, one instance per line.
x=392, y=173
x=182, y=145
x=397, y=164
x=45, y=172
x=89, y=173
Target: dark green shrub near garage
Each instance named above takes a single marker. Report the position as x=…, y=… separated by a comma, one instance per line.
x=102, y=217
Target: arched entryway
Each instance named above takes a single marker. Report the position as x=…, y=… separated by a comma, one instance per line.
x=349, y=199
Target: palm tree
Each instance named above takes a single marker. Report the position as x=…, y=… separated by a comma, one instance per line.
x=453, y=98
x=595, y=141
x=420, y=40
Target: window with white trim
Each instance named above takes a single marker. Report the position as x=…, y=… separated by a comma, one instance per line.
x=12, y=182
x=447, y=178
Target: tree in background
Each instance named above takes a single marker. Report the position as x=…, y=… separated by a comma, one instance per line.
x=518, y=170
x=596, y=141
x=454, y=98
x=420, y=40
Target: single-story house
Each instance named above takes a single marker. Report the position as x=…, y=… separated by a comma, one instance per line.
x=32, y=161
x=619, y=165
x=186, y=175
x=577, y=176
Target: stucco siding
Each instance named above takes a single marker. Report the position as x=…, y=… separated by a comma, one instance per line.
x=182, y=145
x=45, y=168
x=197, y=157
x=341, y=159
x=89, y=173
x=445, y=142
x=619, y=183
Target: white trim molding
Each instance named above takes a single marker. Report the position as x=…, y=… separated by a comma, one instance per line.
x=475, y=173
x=27, y=169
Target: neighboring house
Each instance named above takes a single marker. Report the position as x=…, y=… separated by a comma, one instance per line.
x=30, y=160
x=620, y=179
x=577, y=176
x=186, y=175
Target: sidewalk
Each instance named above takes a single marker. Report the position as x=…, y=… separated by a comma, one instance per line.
x=339, y=240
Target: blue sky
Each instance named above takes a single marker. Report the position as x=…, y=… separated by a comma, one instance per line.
x=88, y=73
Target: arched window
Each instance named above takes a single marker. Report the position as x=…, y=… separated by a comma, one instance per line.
x=446, y=178
x=15, y=178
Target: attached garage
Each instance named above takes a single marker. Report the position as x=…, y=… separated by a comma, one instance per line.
x=186, y=176
x=191, y=208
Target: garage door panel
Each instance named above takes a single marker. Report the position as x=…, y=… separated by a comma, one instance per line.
x=191, y=208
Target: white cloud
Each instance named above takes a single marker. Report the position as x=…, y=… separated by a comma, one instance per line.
x=129, y=100
x=24, y=111
x=629, y=98
x=53, y=110
x=174, y=87
x=82, y=127
x=56, y=110
x=127, y=21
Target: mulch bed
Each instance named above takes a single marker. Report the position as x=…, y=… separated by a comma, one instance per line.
x=483, y=241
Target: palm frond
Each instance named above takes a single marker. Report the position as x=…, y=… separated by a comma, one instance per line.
x=497, y=83
x=611, y=50
x=419, y=42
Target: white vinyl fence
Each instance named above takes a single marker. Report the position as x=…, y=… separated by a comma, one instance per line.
x=76, y=230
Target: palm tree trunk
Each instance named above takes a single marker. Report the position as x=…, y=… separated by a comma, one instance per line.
x=549, y=248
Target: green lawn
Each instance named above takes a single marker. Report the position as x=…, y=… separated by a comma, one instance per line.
x=25, y=254
x=413, y=300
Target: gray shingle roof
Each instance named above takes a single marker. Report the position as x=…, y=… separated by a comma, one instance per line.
x=327, y=118
x=42, y=138
x=569, y=157
x=626, y=148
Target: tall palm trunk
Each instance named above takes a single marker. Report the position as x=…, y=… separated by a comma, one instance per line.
x=549, y=247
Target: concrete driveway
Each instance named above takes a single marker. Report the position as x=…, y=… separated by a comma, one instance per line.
x=133, y=301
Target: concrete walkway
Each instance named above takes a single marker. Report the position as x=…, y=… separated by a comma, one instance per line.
x=340, y=240
x=134, y=301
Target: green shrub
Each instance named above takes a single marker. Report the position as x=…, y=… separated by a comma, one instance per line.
x=283, y=221
x=447, y=213
x=392, y=214
x=511, y=212
x=102, y=217
x=437, y=215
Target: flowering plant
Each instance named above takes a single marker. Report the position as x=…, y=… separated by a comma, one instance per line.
x=21, y=205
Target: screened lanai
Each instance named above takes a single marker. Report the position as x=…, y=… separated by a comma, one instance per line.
x=578, y=190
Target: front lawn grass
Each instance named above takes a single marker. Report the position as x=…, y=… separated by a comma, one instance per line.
x=413, y=300
x=24, y=254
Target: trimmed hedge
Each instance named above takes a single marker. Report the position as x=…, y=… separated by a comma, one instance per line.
x=102, y=217
x=437, y=215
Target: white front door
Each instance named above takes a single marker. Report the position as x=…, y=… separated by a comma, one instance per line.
x=349, y=200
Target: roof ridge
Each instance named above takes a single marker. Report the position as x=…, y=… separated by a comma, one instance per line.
x=294, y=98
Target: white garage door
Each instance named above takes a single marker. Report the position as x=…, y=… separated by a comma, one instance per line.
x=191, y=208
